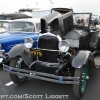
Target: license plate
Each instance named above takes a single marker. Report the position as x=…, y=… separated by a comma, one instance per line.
x=36, y=53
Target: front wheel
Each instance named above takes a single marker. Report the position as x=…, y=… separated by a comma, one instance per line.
x=17, y=62
x=79, y=89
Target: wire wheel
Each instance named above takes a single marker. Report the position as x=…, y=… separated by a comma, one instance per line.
x=79, y=89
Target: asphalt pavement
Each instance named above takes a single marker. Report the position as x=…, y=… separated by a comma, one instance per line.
x=42, y=90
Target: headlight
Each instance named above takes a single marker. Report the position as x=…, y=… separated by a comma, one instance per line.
x=63, y=46
x=28, y=42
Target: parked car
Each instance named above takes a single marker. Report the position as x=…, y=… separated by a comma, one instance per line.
x=17, y=31
x=5, y=19
x=13, y=16
x=64, y=53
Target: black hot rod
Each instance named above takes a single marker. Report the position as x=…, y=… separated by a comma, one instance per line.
x=67, y=47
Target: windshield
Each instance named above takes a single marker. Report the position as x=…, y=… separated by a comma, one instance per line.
x=21, y=26
x=81, y=19
x=3, y=26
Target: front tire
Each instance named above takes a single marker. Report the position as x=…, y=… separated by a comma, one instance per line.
x=17, y=62
x=79, y=89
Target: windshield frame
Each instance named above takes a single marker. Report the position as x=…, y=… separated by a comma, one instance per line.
x=84, y=27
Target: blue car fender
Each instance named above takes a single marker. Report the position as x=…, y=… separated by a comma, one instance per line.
x=81, y=58
x=19, y=50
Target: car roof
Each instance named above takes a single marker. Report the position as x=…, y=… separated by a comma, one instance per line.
x=33, y=20
x=15, y=15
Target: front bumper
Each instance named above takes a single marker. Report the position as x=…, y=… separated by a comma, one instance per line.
x=43, y=76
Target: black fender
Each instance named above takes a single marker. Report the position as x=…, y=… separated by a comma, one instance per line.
x=81, y=58
x=19, y=50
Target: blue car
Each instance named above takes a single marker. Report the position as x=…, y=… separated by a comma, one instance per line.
x=17, y=31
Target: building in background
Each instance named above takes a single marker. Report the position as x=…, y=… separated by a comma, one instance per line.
x=34, y=12
x=22, y=10
x=27, y=11
x=40, y=13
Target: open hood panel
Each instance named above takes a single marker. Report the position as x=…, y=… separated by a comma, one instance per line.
x=58, y=21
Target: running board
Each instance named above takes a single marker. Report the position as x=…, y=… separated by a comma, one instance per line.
x=42, y=76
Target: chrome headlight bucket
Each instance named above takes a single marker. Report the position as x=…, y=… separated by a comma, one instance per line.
x=28, y=42
x=64, y=46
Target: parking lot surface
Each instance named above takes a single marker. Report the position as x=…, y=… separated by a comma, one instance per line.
x=41, y=90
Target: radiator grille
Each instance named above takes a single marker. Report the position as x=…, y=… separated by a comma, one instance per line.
x=48, y=42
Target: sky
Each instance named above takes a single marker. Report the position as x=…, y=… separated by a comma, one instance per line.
x=10, y=6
